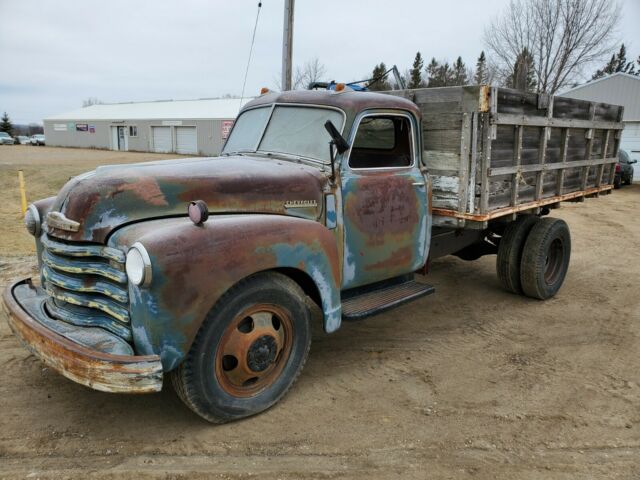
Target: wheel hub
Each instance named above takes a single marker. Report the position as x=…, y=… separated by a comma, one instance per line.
x=262, y=353
x=254, y=349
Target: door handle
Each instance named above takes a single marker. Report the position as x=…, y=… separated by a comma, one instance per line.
x=418, y=184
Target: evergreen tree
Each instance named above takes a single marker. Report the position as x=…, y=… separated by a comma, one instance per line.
x=523, y=76
x=618, y=63
x=379, y=82
x=6, y=125
x=459, y=73
x=416, y=72
x=432, y=73
x=481, y=76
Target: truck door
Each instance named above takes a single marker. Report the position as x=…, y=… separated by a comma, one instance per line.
x=384, y=196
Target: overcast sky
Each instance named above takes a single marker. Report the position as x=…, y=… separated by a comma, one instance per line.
x=54, y=54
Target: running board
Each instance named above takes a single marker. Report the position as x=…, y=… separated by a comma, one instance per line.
x=378, y=299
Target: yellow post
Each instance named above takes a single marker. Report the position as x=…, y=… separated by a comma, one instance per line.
x=23, y=194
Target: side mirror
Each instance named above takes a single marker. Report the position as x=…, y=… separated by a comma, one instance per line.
x=341, y=144
x=633, y=161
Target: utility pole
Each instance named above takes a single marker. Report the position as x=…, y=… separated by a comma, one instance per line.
x=287, y=44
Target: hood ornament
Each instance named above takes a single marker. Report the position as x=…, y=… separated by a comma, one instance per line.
x=59, y=221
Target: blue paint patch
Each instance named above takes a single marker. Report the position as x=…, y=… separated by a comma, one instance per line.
x=331, y=215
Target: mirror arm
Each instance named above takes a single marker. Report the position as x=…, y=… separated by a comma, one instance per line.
x=332, y=156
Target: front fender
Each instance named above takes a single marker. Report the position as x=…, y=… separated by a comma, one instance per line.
x=193, y=266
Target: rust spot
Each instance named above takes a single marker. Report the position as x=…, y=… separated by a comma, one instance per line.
x=147, y=189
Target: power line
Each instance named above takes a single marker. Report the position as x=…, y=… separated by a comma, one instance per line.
x=253, y=39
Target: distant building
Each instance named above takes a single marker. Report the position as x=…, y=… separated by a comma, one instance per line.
x=618, y=89
x=193, y=127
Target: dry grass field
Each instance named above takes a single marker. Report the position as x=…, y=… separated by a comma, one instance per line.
x=471, y=382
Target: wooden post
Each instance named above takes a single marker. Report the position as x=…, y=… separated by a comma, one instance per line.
x=605, y=147
x=542, y=151
x=23, y=193
x=589, y=146
x=517, y=160
x=287, y=44
x=487, y=137
x=564, y=142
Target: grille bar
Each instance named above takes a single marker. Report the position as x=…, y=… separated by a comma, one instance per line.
x=83, y=250
x=84, y=267
x=88, y=317
x=106, y=306
x=87, y=284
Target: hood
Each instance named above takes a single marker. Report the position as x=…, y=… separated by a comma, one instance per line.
x=111, y=196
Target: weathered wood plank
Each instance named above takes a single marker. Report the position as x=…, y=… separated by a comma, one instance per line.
x=564, y=142
x=517, y=154
x=511, y=119
x=494, y=172
x=463, y=173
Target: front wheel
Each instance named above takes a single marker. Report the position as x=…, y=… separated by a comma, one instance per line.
x=545, y=258
x=249, y=351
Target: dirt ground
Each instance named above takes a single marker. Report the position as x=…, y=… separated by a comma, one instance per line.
x=471, y=382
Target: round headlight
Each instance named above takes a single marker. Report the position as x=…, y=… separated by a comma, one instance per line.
x=138, y=265
x=32, y=220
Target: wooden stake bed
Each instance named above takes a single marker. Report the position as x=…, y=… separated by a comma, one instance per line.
x=493, y=152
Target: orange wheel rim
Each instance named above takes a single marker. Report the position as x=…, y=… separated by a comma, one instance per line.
x=254, y=349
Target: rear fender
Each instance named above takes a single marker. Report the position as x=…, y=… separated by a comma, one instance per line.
x=193, y=266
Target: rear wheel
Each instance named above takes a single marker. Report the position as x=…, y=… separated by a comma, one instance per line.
x=545, y=258
x=249, y=351
x=617, y=182
x=510, y=252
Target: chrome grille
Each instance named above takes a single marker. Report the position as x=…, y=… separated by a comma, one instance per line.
x=87, y=285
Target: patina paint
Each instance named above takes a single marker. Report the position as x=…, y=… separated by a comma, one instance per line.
x=117, y=195
x=384, y=212
x=193, y=266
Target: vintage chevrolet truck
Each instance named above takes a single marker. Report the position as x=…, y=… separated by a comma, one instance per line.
x=209, y=269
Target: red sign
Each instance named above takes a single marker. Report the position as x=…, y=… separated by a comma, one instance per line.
x=226, y=128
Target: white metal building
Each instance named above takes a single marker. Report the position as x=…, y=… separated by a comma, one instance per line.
x=618, y=89
x=193, y=127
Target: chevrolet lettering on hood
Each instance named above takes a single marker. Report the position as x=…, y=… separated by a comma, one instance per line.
x=300, y=203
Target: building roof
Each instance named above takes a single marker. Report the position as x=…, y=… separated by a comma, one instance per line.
x=618, y=89
x=205, y=108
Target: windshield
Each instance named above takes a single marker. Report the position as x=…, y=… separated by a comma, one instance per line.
x=623, y=156
x=291, y=130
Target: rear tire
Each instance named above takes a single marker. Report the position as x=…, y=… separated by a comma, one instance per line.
x=249, y=350
x=510, y=252
x=617, y=182
x=545, y=258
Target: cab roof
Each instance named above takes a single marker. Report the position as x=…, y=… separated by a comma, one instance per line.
x=350, y=102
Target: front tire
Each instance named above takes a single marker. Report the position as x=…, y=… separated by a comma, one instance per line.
x=249, y=351
x=545, y=258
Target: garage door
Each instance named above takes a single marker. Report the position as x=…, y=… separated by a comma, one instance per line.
x=631, y=143
x=161, y=139
x=186, y=140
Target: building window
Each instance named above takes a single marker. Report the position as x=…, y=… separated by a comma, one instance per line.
x=133, y=131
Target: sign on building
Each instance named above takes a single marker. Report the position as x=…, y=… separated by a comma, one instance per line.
x=226, y=128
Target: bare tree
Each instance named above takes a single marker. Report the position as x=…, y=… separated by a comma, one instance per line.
x=563, y=37
x=312, y=71
x=91, y=101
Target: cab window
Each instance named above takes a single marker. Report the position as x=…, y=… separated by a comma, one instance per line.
x=382, y=141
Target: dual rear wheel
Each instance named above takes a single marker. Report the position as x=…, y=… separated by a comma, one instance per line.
x=533, y=256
